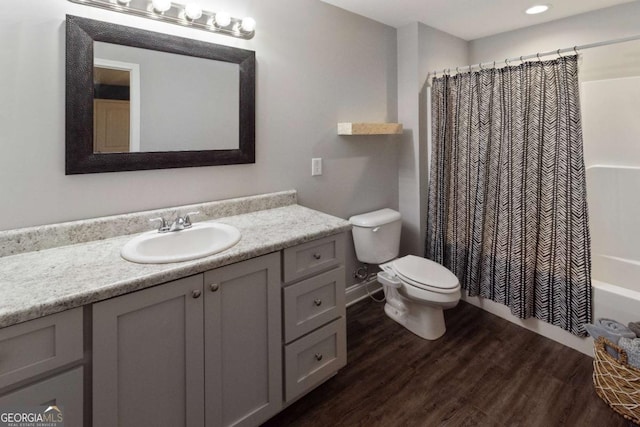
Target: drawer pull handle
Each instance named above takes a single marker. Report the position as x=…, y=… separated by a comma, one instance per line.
x=317, y=255
x=318, y=356
x=214, y=287
x=196, y=293
x=317, y=302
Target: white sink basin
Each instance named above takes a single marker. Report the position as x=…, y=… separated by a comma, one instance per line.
x=201, y=240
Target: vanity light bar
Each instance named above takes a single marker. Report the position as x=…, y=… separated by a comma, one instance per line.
x=188, y=15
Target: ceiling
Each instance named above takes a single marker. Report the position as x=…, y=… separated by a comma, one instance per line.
x=469, y=19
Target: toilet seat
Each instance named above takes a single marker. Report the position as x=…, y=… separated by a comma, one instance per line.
x=426, y=274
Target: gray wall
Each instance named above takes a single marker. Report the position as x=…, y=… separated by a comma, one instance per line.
x=420, y=49
x=317, y=65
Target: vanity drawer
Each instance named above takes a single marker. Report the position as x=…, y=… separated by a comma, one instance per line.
x=313, y=302
x=39, y=345
x=313, y=257
x=64, y=390
x=313, y=358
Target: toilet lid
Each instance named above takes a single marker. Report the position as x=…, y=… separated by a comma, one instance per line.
x=422, y=272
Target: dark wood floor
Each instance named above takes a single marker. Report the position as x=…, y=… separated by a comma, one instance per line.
x=485, y=371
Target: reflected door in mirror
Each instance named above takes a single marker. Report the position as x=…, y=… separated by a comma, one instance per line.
x=110, y=126
x=112, y=132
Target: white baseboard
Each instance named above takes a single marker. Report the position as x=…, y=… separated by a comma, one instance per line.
x=583, y=345
x=358, y=291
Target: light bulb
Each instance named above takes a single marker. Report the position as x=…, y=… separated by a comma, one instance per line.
x=161, y=6
x=223, y=19
x=248, y=24
x=539, y=8
x=193, y=11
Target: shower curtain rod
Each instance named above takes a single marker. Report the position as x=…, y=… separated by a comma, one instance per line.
x=558, y=52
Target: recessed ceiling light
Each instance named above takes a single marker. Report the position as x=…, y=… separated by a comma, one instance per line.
x=539, y=8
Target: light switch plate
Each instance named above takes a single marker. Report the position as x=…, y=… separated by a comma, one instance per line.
x=316, y=166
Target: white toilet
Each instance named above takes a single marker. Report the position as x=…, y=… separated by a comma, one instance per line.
x=417, y=290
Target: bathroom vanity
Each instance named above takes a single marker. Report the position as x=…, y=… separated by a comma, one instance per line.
x=229, y=339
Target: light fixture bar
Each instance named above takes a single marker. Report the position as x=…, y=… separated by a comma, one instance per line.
x=179, y=14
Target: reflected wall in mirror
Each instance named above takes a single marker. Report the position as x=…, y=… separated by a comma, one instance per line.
x=143, y=100
x=175, y=102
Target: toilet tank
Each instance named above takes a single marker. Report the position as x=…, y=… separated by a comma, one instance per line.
x=376, y=235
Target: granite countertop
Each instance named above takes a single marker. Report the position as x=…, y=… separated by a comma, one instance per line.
x=38, y=283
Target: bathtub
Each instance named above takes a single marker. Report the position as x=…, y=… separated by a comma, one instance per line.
x=616, y=288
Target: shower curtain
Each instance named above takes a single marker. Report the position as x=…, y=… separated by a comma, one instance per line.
x=507, y=206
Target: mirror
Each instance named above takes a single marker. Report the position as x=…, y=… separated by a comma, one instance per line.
x=143, y=100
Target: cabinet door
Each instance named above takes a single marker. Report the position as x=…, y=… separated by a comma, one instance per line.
x=148, y=357
x=243, y=370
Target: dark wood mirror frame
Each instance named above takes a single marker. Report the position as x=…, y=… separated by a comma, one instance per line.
x=80, y=158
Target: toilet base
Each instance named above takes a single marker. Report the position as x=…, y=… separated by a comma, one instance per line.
x=423, y=318
x=426, y=322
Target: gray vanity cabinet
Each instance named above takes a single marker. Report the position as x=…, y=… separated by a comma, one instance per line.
x=204, y=350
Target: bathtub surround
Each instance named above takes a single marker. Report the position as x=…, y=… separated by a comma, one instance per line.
x=507, y=201
x=35, y=284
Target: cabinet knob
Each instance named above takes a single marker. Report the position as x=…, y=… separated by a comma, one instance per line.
x=214, y=287
x=318, y=356
x=317, y=255
x=196, y=293
x=317, y=302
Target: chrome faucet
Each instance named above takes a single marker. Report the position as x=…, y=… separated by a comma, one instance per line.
x=180, y=223
x=187, y=219
x=163, y=228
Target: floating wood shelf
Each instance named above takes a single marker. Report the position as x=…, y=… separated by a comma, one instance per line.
x=369, y=128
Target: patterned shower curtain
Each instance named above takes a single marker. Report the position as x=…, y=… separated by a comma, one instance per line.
x=507, y=206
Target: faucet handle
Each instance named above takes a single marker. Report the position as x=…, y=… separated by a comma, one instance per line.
x=187, y=219
x=163, y=224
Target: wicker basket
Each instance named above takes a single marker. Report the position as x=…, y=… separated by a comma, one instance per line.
x=615, y=381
